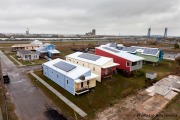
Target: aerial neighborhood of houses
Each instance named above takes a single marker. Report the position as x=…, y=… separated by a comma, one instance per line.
x=82, y=72
x=79, y=71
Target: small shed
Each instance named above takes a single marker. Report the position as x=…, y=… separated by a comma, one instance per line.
x=151, y=75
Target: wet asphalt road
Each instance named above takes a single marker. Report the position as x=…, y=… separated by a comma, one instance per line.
x=30, y=102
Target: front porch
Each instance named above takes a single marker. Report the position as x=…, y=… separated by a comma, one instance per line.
x=83, y=86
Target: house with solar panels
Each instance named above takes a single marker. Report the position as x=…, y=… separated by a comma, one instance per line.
x=102, y=66
x=127, y=62
x=47, y=50
x=72, y=77
x=149, y=54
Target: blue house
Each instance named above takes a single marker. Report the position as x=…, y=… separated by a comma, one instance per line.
x=72, y=77
x=47, y=50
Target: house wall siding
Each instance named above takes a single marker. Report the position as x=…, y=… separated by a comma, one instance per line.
x=60, y=79
x=94, y=68
x=116, y=59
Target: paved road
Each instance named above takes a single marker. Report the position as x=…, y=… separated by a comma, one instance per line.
x=29, y=101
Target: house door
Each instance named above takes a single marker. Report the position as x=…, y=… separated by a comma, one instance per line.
x=82, y=84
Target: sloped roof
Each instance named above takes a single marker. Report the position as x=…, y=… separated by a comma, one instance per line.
x=74, y=73
x=119, y=53
x=143, y=50
x=54, y=51
x=100, y=62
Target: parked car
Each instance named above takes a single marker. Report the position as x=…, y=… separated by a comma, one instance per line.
x=6, y=78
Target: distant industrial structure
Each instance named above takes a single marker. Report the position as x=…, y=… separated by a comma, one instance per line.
x=157, y=36
x=149, y=32
x=91, y=33
x=165, y=32
x=27, y=31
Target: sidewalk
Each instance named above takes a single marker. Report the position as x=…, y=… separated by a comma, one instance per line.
x=16, y=61
x=69, y=103
x=1, y=118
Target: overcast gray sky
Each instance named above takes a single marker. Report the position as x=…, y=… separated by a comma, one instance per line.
x=125, y=17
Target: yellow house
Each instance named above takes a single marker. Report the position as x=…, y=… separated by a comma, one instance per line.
x=102, y=66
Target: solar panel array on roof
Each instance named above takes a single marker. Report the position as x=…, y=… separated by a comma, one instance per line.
x=113, y=45
x=89, y=56
x=150, y=51
x=129, y=49
x=64, y=66
x=112, y=50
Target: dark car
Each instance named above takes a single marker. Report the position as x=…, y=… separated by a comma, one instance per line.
x=6, y=78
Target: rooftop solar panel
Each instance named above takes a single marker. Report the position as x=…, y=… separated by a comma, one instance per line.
x=129, y=49
x=64, y=66
x=113, y=45
x=112, y=50
x=150, y=51
x=89, y=56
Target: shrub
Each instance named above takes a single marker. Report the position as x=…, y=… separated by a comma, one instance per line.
x=140, y=73
x=176, y=46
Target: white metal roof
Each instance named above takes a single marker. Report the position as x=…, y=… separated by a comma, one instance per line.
x=87, y=78
x=53, y=51
x=122, y=54
x=74, y=74
x=100, y=62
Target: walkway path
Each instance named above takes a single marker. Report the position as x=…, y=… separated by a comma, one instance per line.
x=1, y=118
x=69, y=103
x=16, y=60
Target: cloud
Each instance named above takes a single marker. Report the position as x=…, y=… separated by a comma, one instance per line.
x=79, y=16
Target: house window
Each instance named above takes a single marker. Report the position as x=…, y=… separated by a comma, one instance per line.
x=82, y=84
x=88, y=82
x=69, y=59
x=127, y=64
x=83, y=65
x=134, y=63
x=94, y=68
x=77, y=62
x=67, y=81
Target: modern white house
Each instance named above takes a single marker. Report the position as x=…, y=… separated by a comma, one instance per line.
x=27, y=55
x=102, y=66
x=72, y=77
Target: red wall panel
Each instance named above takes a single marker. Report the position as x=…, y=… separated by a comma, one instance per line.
x=116, y=59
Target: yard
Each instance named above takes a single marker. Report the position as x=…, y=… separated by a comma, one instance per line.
x=108, y=92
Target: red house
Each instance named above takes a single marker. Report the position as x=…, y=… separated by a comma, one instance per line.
x=128, y=62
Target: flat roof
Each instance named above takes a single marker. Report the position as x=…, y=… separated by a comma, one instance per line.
x=74, y=73
x=119, y=53
x=100, y=61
